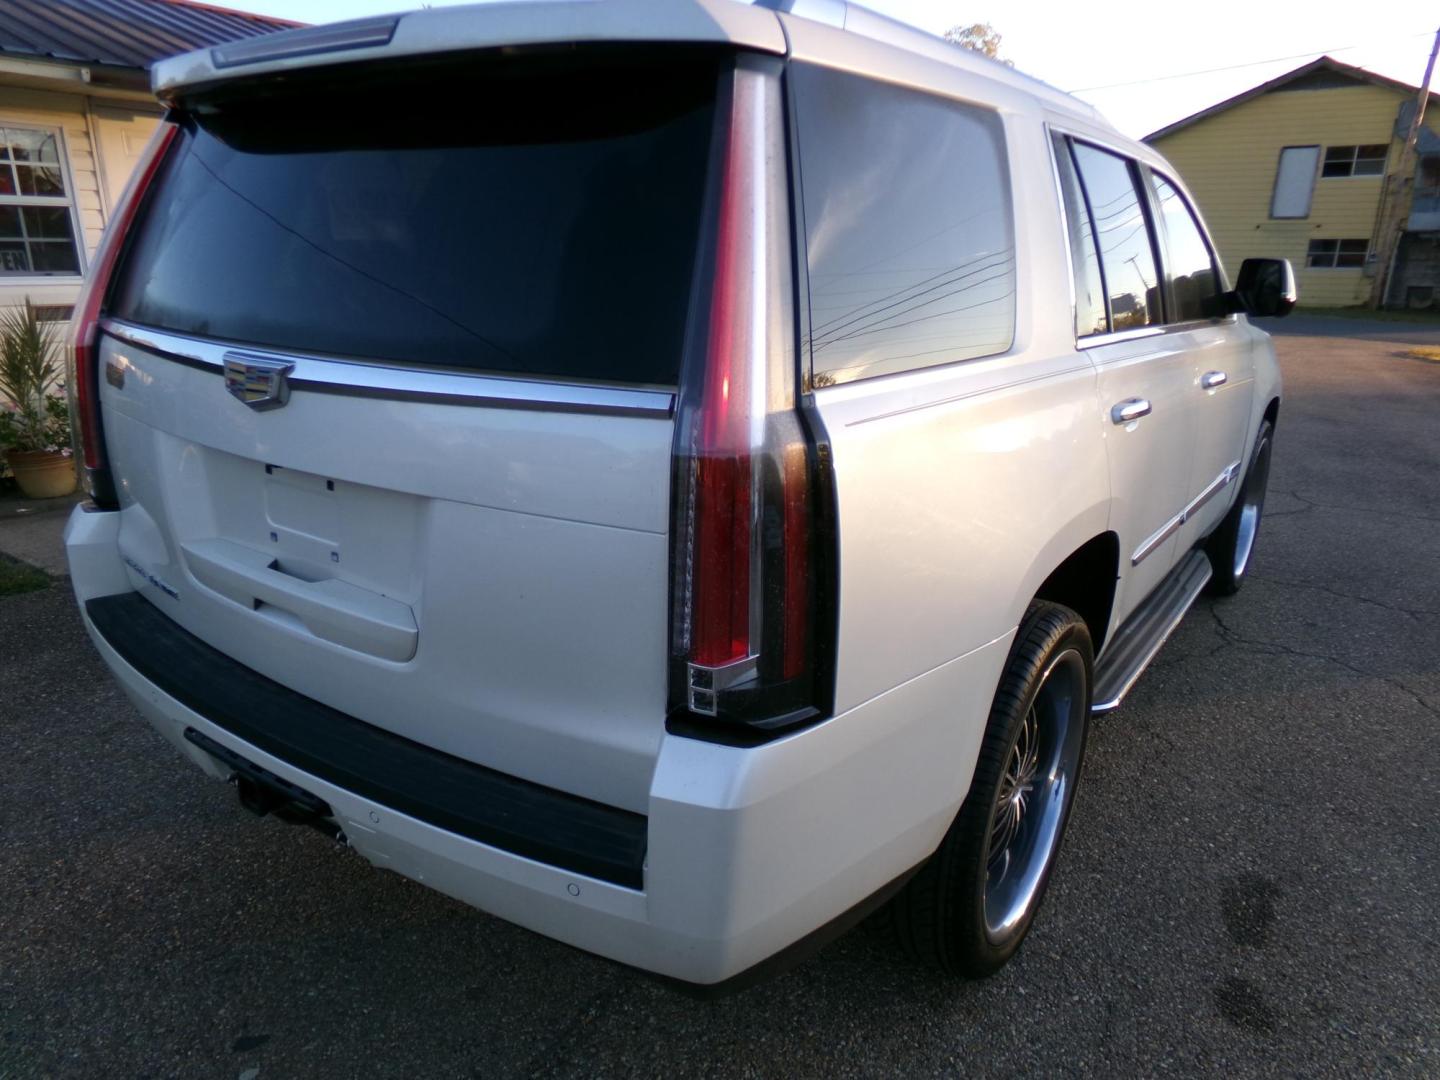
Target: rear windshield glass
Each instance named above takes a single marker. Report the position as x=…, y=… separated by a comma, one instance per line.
x=533, y=218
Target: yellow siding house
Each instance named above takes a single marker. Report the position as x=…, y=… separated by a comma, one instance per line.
x=1294, y=168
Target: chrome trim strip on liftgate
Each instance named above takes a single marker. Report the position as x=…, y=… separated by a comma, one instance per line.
x=1226, y=477
x=326, y=375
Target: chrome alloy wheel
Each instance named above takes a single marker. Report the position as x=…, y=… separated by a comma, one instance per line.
x=1252, y=504
x=1034, y=794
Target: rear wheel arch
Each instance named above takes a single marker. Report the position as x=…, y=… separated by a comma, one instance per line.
x=1085, y=582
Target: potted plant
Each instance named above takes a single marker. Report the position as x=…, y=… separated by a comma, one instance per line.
x=34, y=415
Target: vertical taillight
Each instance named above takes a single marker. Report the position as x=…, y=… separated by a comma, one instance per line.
x=84, y=332
x=746, y=571
x=720, y=438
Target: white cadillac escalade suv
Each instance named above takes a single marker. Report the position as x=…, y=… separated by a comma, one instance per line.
x=677, y=476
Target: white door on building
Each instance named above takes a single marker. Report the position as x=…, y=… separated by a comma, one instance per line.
x=120, y=135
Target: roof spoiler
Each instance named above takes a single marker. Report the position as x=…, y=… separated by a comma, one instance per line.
x=482, y=26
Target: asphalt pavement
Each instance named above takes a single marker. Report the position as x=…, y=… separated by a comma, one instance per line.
x=1249, y=885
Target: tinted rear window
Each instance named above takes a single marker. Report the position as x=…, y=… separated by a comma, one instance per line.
x=527, y=218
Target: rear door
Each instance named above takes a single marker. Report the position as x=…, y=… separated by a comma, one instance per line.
x=389, y=390
x=1144, y=378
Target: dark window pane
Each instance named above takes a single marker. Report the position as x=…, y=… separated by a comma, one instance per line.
x=1090, y=317
x=1336, y=168
x=1352, y=253
x=1339, y=153
x=907, y=225
x=40, y=180
x=555, y=236
x=1191, y=269
x=47, y=222
x=1320, y=254
x=51, y=257
x=13, y=258
x=7, y=180
x=1124, y=234
x=10, y=222
x=1379, y=150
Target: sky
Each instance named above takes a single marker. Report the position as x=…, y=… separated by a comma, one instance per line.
x=1144, y=66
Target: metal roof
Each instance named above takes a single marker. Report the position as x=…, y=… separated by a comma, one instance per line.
x=121, y=33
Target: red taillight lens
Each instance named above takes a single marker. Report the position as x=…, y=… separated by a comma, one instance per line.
x=85, y=325
x=720, y=450
x=745, y=493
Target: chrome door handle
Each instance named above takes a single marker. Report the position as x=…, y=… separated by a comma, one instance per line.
x=1212, y=379
x=1129, y=410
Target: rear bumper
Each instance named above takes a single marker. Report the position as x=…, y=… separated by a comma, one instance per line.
x=746, y=851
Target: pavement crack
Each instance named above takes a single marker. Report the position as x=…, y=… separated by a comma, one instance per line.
x=1413, y=612
x=1236, y=638
x=1315, y=504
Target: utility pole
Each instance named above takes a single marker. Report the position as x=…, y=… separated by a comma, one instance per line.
x=1399, y=193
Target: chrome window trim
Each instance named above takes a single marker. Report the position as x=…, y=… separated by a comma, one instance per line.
x=1095, y=340
x=354, y=378
x=1152, y=542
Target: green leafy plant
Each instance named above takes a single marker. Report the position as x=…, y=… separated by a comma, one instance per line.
x=34, y=415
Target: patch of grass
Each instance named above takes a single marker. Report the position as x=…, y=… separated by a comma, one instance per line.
x=1424, y=352
x=18, y=577
x=1431, y=317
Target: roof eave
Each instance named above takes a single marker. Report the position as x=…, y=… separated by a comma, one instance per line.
x=71, y=74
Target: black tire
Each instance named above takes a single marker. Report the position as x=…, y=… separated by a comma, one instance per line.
x=946, y=914
x=1232, y=544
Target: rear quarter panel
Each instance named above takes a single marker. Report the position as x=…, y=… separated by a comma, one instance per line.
x=961, y=487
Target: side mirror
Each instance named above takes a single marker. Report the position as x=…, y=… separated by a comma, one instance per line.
x=1266, y=287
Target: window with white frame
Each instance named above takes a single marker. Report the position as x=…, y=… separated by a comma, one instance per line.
x=1355, y=160
x=1336, y=254
x=37, y=225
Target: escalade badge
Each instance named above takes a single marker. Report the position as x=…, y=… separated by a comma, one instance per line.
x=259, y=383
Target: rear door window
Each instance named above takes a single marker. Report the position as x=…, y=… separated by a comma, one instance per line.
x=1122, y=227
x=521, y=217
x=908, y=227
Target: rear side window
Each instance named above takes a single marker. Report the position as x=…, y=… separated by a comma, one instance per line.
x=1189, y=260
x=908, y=227
x=528, y=217
x=1122, y=228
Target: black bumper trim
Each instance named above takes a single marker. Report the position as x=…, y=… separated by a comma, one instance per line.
x=450, y=793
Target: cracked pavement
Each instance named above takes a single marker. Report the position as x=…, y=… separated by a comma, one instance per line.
x=1248, y=886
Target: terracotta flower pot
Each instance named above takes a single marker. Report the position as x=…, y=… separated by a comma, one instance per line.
x=42, y=474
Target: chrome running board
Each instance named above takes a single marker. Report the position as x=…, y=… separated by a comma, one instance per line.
x=1135, y=644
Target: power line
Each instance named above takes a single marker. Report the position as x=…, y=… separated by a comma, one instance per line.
x=1230, y=67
